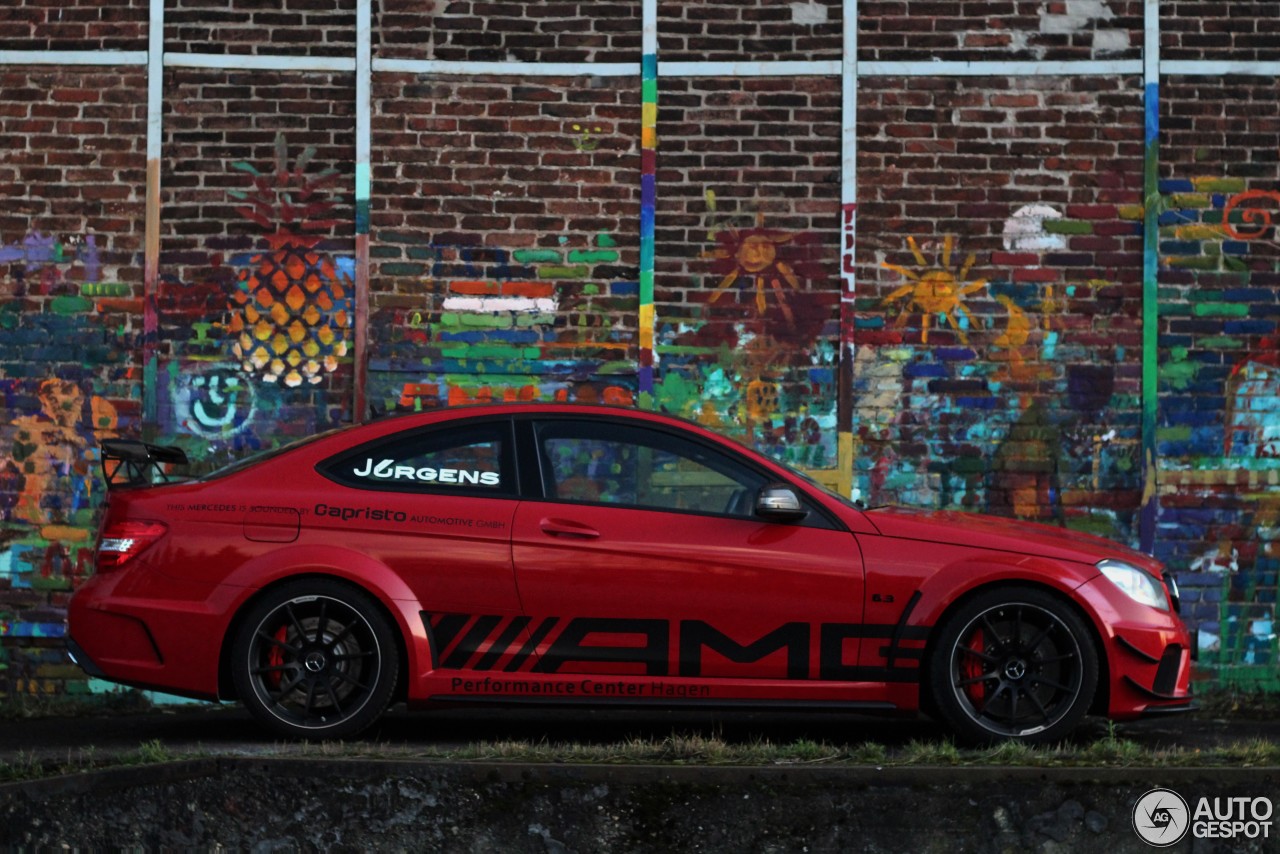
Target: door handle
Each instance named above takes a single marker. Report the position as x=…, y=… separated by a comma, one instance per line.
x=567, y=528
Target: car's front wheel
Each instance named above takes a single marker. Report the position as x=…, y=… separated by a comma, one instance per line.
x=315, y=659
x=1013, y=663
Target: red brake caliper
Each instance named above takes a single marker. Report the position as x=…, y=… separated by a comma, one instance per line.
x=972, y=667
x=275, y=658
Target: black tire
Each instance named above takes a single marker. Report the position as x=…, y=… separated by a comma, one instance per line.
x=315, y=658
x=1013, y=663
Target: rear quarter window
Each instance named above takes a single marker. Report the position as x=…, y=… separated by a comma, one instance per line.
x=465, y=458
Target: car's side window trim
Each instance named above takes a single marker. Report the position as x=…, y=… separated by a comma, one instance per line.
x=530, y=444
x=509, y=486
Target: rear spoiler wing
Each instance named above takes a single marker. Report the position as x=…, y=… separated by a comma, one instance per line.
x=128, y=462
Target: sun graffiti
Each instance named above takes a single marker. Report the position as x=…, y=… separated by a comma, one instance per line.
x=935, y=291
x=753, y=256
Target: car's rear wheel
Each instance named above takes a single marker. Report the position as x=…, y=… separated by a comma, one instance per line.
x=315, y=659
x=1013, y=663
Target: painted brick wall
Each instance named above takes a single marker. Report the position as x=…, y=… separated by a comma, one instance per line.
x=995, y=328
x=70, y=293
x=1219, y=362
x=999, y=267
x=750, y=171
x=74, y=25
x=244, y=361
x=504, y=241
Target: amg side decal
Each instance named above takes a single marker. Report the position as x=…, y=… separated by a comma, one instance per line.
x=644, y=647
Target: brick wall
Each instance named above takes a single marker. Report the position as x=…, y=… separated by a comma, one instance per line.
x=504, y=232
x=1219, y=360
x=1235, y=31
x=280, y=28
x=999, y=268
x=1019, y=29
x=994, y=333
x=70, y=293
x=770, y=30
x=470, y=30
x=74, y=25
x=750, y=178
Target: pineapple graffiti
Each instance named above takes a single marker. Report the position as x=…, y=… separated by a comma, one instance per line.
x=291, y=309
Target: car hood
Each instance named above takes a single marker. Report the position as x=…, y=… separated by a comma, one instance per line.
x=992, y=532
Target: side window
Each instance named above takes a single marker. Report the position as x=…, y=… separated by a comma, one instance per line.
x=472, y=458
x=605, y=463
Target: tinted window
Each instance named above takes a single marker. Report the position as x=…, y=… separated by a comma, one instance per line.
x=606, y=463
x=468, y=458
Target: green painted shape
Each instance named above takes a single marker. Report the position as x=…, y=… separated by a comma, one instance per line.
x=70, y=305
x=1173, y=434
x=104, y=289
x=1190, y=200
x=605, y=240
x=591, y=289
x=589, y=256
x=1218, y=185
x=1068, y=226
x=486, y=321
x=1221, y=343
x=489, y=351
x=1220, y=309
x=525, y=321
x=1194, y=263
x=1179, y=375
x=202, y=330
x=649, y=92
x=534, y=256
x=450, y=319
x=563, y=271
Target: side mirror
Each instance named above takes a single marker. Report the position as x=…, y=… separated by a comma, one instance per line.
x=778, y=502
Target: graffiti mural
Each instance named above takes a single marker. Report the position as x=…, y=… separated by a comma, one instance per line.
x=253, y=350
x=756, y=358
x=974, y=391
x=290, y=311
x=490, y=324
x=67, y=382
x=1220, y=469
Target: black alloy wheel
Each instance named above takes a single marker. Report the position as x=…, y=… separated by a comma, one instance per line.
x=1014, y=664
x=316, y=659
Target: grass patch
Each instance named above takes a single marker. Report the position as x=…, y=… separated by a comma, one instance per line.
x=701, y=750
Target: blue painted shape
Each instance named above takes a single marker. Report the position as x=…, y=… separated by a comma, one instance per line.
x=1249, y=327
x=924, y=369
x=955, y=354
x=1171, y=185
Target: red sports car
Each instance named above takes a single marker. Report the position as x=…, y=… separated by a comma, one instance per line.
x=575, y=555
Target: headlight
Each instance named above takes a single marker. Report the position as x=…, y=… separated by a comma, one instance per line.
x=1139, y=585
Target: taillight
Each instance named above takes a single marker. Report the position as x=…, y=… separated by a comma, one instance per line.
x=123, y=541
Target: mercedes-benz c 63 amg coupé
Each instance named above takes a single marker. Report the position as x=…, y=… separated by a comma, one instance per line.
x=586, y=556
